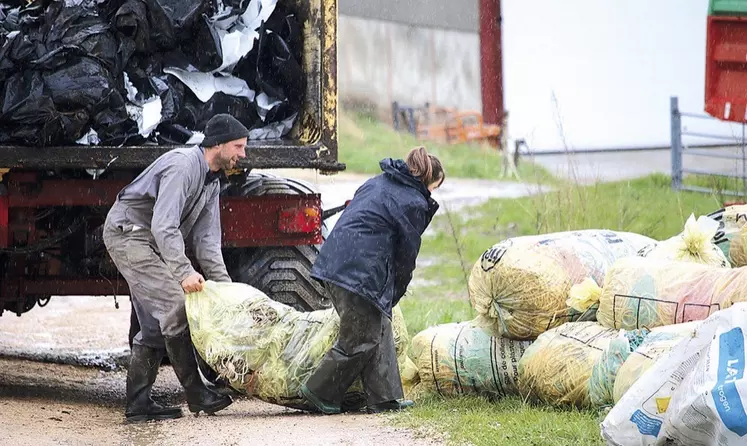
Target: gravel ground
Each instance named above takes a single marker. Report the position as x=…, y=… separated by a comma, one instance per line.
x=60, y=384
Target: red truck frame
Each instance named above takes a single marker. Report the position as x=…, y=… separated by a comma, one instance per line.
x=270, y=220
x=54, y=200
x=50, y=235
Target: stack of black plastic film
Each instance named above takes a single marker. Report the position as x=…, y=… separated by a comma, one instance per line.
x=134, y=72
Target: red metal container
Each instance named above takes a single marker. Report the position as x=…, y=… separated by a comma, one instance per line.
x=726, y=68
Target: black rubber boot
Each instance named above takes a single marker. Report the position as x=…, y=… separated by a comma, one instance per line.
x=184, y=362
x=214, y=381
x=323, y=406
x=390, y=406
x=141, y=375
x=353, y=402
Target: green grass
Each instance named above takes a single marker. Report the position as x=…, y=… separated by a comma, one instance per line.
x=645, y=206
x=422, y=310
x=364, y=141
x=508, y=422
x=720, y=184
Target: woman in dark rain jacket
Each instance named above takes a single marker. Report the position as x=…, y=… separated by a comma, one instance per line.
x=366, y=264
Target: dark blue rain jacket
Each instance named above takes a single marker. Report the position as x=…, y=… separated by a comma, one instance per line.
x=372, y=249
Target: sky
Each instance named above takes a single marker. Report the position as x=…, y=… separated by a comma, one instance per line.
x=604, y=71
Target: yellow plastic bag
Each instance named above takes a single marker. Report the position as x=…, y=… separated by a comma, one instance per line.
x=557, y=367
x=731, y=233
x=658, y=343
x=461, y=359
x=694, y=244
x=265, y=348
x=407, y=369
x=519, y=287
x=644, y=292
x=738, y=248
x=409, y=372
x=584, y=295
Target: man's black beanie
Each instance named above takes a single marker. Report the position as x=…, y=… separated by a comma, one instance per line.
x=222, y=128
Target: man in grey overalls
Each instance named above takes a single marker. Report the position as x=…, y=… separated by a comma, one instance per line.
x=172, y=203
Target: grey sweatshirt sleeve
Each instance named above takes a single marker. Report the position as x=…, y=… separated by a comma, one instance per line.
x=172, y=196
x=206, y=241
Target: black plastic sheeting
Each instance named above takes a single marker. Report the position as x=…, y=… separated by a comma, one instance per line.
x=62, y=69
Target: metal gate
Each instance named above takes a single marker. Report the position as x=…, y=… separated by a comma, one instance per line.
x=708, y=162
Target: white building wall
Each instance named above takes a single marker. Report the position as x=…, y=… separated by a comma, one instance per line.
x=578, y=73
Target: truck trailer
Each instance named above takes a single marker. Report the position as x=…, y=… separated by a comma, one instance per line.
x=54, y=196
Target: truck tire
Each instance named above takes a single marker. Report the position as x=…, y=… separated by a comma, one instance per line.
x=281, y=272
x=258, y=184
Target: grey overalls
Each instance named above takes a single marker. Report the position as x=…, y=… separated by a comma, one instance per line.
x=174, y=202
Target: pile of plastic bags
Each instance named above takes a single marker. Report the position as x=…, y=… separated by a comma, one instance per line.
x=520, y=286
x=589, y=312
x=592, y=319
x=130, y=72
x=575, y=364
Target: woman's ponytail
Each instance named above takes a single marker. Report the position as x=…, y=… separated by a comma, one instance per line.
x=425, y=166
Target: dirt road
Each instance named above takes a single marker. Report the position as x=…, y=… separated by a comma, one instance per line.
x=455, y=193
x=44, y=403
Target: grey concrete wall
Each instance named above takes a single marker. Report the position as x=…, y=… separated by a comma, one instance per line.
x=461, y=15
x=381, y=62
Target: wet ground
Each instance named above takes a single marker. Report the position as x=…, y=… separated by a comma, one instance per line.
x=49, y=404
x=456, y=193
x=78, y=330
x=58, y=403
